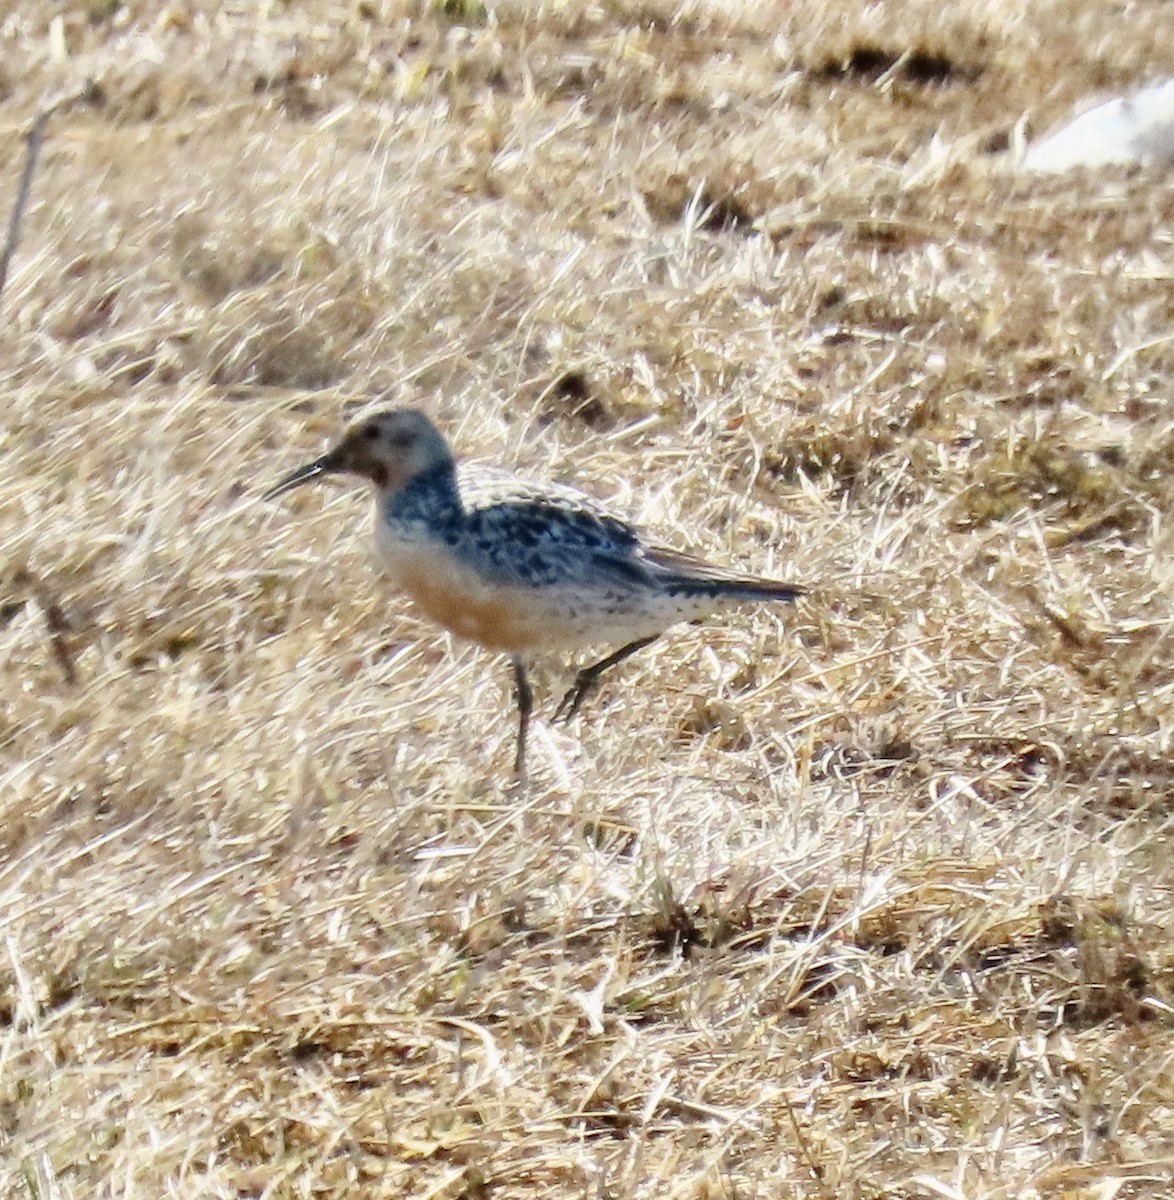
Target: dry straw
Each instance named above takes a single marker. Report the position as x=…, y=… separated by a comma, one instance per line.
x=869, y=899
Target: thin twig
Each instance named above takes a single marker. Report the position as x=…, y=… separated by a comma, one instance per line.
x=56, y=622
x=818, y=1174
x=36, y=135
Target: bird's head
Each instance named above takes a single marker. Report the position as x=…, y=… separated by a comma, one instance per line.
x=390, y=448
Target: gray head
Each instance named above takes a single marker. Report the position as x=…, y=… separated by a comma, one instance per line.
x=391, y=448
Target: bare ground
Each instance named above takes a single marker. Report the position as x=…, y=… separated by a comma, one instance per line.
x=868, y=898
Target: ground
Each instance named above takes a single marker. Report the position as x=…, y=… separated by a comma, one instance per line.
x=865, y=897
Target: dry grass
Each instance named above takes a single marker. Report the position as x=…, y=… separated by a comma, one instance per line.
x=869, y=899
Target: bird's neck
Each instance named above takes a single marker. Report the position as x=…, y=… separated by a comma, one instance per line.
x=431, y=498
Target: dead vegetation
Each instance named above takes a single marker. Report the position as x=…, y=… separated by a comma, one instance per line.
x=869, y=899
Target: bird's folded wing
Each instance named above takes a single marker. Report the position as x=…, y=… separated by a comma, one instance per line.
x=684, y=570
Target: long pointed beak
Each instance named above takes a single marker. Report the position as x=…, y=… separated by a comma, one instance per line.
x=320, y=466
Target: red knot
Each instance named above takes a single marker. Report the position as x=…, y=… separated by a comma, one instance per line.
x=518, y=567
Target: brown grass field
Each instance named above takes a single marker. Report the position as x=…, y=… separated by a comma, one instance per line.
x=868, y=897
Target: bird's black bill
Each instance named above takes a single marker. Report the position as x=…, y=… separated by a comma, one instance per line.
x=320, y=466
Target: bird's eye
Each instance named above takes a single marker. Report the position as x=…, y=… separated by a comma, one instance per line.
x=371, y=433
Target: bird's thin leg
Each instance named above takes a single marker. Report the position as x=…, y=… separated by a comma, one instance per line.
x=587, y=677
x=525, y=697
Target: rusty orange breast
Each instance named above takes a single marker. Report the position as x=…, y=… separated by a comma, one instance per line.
x=456, y=596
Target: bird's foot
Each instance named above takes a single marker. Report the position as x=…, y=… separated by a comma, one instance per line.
x=570, y=704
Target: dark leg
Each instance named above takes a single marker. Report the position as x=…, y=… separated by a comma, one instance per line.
x=586, y=679
x=525, y=697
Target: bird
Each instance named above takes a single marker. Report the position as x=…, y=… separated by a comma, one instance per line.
x=519, y=567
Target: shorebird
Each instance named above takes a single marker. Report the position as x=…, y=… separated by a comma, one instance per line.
x=521, y=568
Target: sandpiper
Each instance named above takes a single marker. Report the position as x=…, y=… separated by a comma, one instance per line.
x=518, y=567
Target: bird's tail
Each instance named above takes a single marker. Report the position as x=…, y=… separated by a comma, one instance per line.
x=767, y=589
x=743, y=588
x=684, y=573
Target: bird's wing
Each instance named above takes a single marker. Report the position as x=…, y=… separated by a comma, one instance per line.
x=540, y=533
x=548, y=531
x=483, y=487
